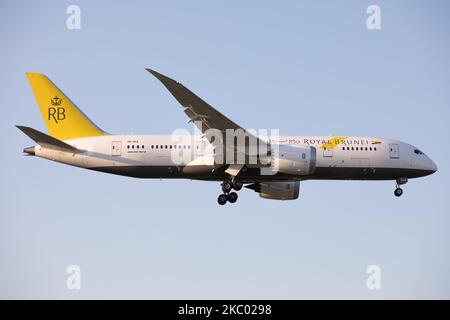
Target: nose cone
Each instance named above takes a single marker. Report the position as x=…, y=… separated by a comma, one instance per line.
x=433, y=166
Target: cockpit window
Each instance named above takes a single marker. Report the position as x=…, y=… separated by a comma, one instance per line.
x=417, y=151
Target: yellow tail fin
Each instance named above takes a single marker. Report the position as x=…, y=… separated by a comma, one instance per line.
x=62, y=117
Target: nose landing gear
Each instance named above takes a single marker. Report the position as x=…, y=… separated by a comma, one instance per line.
x=231, y=197
x=399, y=191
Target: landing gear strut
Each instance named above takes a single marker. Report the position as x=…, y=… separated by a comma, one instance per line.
x=399, y=191
x=231, y=197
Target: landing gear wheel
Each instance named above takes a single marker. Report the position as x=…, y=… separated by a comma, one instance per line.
x=237, y=185
x=398, y=192
x=222, y=199
x=399, y=181
x=232, y=197
x=226, y=186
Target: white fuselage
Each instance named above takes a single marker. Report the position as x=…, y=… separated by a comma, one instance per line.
x=271, y=166
x=169, y=156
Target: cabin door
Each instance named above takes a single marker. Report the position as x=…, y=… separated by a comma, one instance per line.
x=116, y=148
x=394, y=151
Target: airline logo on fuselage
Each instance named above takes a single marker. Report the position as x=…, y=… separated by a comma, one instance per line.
x=332, y=142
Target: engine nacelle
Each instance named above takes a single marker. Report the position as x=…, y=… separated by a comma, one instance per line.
x=294, y=160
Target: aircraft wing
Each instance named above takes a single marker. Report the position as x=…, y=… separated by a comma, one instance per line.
x=198, y=111
x=194, y=107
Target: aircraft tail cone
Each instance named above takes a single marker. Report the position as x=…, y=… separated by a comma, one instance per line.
x=29, y=150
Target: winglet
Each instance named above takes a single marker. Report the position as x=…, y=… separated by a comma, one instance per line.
x=158, y=75
x=179, y=92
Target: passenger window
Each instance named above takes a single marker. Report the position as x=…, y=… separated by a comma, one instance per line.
x=370, y=149
x=353, y=148
x=137, y=147
x=128, y=147
x=132, y=147
x=375, y=149
x=366, y=148
x=142, y=146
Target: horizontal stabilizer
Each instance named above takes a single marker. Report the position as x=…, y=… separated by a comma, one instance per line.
x=47, y=141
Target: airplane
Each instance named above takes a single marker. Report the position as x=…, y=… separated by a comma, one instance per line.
x=274, y=170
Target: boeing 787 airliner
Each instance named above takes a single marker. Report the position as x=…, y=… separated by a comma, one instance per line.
x=271, y=165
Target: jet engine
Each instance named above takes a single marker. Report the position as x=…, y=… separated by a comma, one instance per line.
x=293, y=160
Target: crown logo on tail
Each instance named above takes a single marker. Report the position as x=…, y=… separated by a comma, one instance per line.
x=56, y=101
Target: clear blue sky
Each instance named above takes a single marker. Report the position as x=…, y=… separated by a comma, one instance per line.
x=305, y=67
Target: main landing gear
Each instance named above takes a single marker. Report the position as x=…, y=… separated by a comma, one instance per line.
x=399, y=191
x=231, y=197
